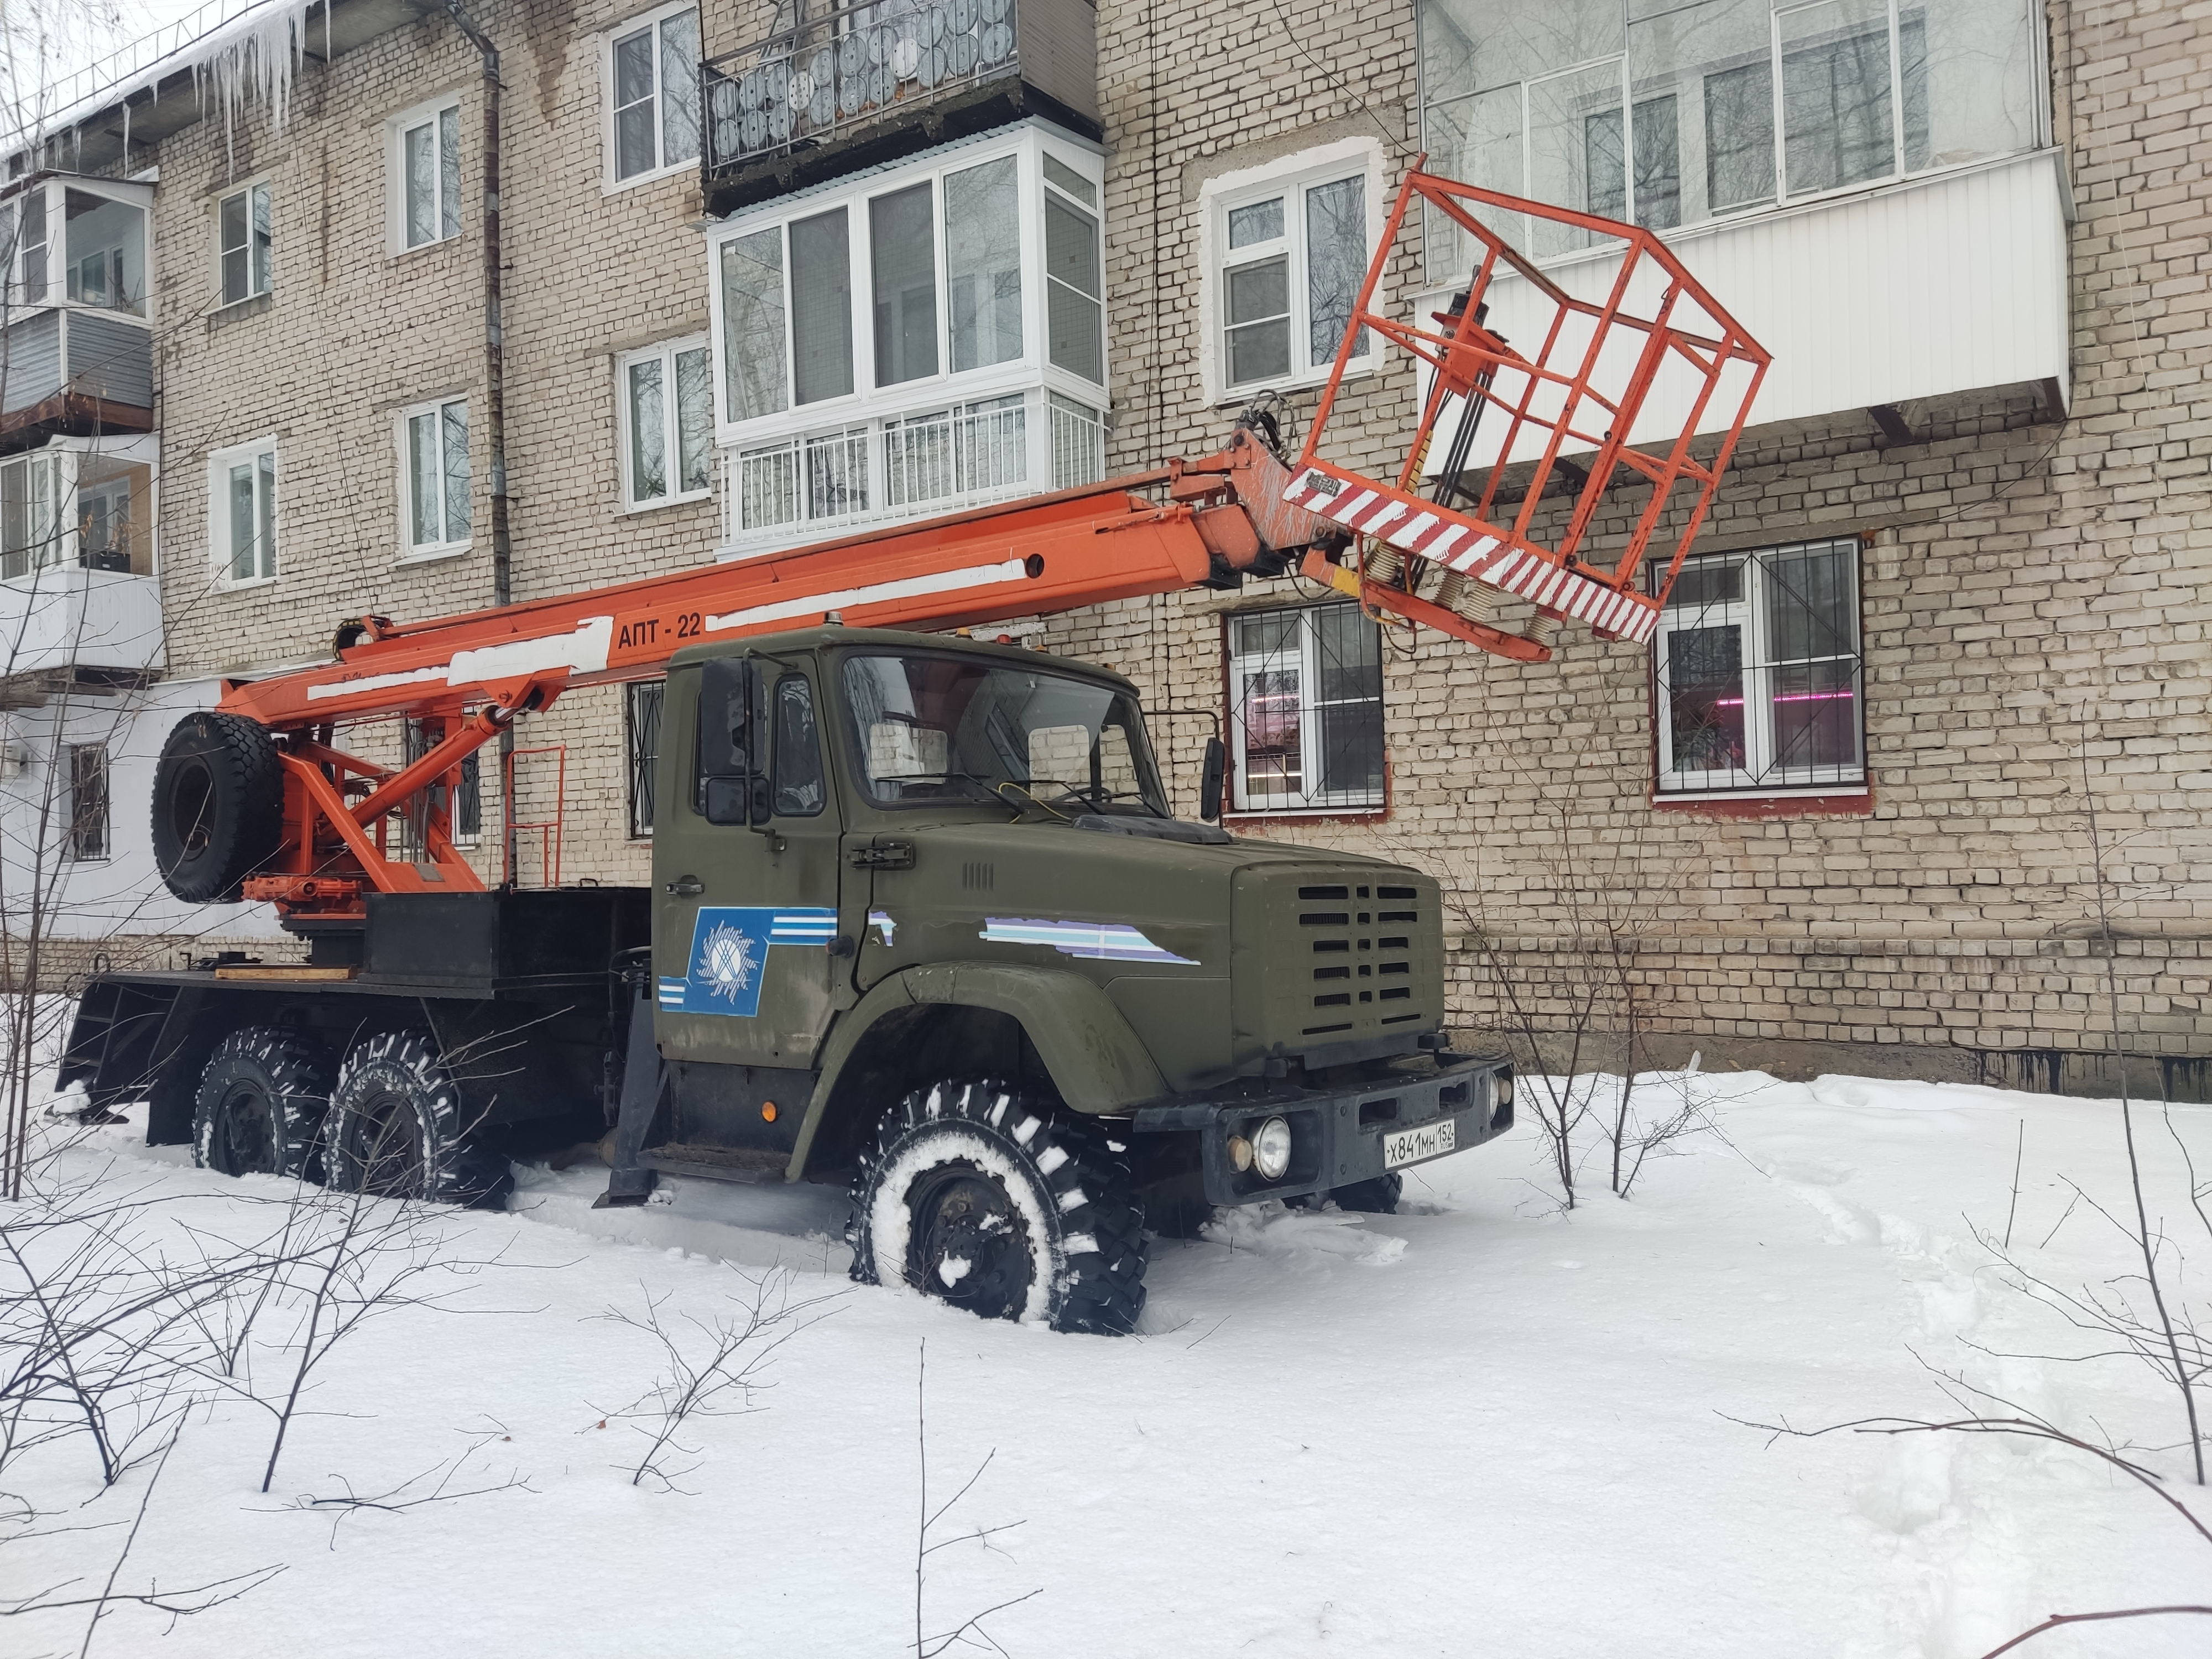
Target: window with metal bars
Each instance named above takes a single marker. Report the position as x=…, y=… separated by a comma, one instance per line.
x=1305, y=709
x=1761, y=685
x=88, y=801
x=465, y=813
x=643, y=720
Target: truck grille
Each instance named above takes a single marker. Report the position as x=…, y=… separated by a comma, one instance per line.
x=1359, y=941
x=1343, y=959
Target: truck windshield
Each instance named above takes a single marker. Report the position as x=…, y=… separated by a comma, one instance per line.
x=928, y=728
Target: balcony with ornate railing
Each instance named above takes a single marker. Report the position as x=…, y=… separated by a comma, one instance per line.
x=844, y=480
x=854, y=86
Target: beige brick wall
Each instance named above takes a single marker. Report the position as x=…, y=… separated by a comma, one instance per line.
x=2034, y=594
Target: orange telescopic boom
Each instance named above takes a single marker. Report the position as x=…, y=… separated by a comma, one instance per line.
x=1581, y=382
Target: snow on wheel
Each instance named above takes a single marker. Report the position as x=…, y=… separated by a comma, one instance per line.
x=260, y=1104
x=397, y=1128
x=981, y=1196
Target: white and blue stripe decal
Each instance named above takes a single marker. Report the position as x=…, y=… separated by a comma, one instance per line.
x=729, y=955
x=1104, y=941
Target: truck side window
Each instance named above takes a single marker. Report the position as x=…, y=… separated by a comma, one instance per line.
x=799, y=792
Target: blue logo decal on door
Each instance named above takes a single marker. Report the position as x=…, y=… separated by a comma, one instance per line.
x=730, y=956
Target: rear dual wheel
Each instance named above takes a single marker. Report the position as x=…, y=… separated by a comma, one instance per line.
x=260, y=1104
x=392, y=1125
x=397, y=1126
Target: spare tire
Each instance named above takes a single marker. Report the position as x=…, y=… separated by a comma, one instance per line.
x=218, y=805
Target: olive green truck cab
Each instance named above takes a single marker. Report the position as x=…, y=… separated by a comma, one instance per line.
x=922, y=923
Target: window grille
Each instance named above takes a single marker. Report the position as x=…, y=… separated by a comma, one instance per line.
x=88, y=801
x=1760, y=680
x=1306, y=712
x=642, y=741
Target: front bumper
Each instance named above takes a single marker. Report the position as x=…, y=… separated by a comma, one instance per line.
x=1337, y=1135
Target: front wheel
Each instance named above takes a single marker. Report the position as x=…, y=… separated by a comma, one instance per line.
x=978, y=1195
x=396, y=1129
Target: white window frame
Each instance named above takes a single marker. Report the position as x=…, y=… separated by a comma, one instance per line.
x=395, y=149
x=1289, y=178
x=928, y=391
x=672, y=459
x=411, y=551
x=48, y=486
x=613, y=180
x=220, y=463
x=249, y=189
x=1307, y=801
x=1762, y=775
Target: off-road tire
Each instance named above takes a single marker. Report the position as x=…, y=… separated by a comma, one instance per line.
x=1376, y=1196
x=218, y=805
x=396, y=1128
x=1075, y=1222
x=260, y=1104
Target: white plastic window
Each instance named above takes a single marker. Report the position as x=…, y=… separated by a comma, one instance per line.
x=653, y=93
x=1762, y=687
x=242, y=238
x=242, y=511
x=431, y=177
x=1290, y=258
x=1305, y=709
x=435, y=463
x=667, y=395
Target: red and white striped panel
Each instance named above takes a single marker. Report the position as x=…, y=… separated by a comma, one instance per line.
x=1465, y=544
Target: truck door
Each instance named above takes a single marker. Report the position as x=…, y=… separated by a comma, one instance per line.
x=746, y=946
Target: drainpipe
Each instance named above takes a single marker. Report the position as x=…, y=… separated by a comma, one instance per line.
x=494, y=392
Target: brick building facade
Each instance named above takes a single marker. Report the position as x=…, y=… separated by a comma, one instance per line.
x=2028, y=551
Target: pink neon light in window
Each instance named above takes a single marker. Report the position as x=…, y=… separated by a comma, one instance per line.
x=1794, y=697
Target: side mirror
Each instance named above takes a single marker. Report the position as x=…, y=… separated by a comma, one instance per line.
x=1209, y=782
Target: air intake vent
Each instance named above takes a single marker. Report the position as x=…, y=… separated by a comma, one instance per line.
x=1324, y=892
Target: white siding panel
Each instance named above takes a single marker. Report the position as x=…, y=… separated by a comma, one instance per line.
x=1950, y=284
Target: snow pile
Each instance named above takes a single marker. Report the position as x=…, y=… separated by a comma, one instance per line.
x=1484, y=1427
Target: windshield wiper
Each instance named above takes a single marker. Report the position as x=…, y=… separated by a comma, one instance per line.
x=1096, y=796
x=981, y=784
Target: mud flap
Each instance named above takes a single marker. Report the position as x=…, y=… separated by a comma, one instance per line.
x=645, y=1084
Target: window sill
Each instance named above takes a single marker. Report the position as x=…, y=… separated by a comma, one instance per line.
x=227, y=585
x=433, y=556
x=613, y=187
x=1238, y=397
x=1832, y=800
x=403, y=250
x=1375, y=813
x=238, y=311
x=690, y=498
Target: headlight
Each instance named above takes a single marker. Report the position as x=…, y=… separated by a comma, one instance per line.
x=1271, y=1150
x=1502, y=1086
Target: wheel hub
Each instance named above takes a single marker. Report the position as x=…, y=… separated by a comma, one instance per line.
x=245, y=1144
x=970, y=1245
x=388, y=1147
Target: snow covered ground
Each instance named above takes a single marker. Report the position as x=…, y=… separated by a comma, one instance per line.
x=1481, y=1428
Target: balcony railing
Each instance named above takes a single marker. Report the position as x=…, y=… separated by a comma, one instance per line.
x=835, y=482
x=903, y=72
x=823, y=76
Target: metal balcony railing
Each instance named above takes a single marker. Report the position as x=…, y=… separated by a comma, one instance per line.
x=841, y=70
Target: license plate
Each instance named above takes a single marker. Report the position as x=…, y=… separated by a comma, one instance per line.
x=1413, y=1145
